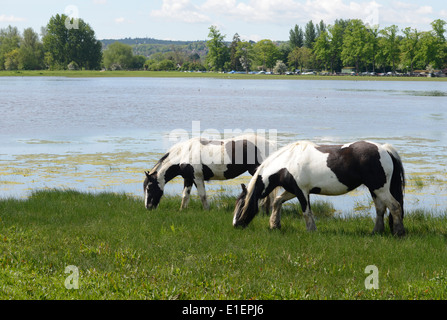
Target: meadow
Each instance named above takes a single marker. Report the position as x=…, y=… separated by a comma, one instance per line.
x=123, y=251
x=178, y=74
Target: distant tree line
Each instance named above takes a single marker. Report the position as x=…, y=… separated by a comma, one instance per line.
x=332, y=47
x=69, y=44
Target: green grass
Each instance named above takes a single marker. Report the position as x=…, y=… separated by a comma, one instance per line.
x=123, y=251
x=177, y=74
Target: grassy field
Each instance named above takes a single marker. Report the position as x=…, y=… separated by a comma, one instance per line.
x=123, y=251
x=176, y=74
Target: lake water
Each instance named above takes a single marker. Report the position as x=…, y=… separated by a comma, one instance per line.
x=100, y=134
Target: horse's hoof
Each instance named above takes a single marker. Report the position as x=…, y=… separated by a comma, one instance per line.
x=400, y=233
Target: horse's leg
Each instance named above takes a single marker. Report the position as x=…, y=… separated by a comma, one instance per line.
x=268, y=202
x=265, y=203
x=275, y=218
x=396, y=221
x=200, y=184
x=308, y=216
x=390, y=223
x=380, y=212
x=186, y=193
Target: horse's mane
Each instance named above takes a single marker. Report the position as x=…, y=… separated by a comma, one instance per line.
x=171, y=153
x=250, y=191
x=159, y=163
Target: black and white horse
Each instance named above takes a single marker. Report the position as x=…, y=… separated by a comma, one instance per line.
x=198, y=160
x=304, y=168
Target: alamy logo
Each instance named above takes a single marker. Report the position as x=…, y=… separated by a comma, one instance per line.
x=72, y=281
x=205, y=153
x=372, y=18
x=372, y=281
x=72, y=21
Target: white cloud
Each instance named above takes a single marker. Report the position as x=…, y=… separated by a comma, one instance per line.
x=255, y=11
x=252, y=37
x=11, y=18
x=120, y=20
x=181, y=10
x=99, y=1
x=289, y=12
x=301, y=11
x=407, y=14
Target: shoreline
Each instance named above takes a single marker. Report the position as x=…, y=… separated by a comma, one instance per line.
x=215, y=75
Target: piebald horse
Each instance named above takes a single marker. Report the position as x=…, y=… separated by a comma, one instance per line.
x=198, y=160
x=303, y=168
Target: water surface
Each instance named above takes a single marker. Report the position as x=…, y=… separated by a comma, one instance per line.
x=96, y=134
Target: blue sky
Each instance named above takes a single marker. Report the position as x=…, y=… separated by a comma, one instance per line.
x=190, y=19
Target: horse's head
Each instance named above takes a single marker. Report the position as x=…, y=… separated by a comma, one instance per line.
x=152, y=191
x=240, y=203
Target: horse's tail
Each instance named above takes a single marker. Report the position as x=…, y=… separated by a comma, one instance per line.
x=397, y=187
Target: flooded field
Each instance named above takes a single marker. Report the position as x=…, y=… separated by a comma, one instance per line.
x=101, y=134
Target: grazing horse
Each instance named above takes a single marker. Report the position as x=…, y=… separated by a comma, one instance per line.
x=198, y=160
x=304, y=168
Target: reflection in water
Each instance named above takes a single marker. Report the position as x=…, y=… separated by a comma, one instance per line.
x=101, y=134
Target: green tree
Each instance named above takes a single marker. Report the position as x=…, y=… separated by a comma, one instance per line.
x=283, y=50
x=320, y=28
x=31, y=54
x=440, y=49
x=427, y=49
x=391, y=45
x=301, y=57
x=296, y=37
x=67, y=41
x=322, y=49
x=118, y=56
x=372, y=46
x=381, y=58
x=336, y=33
x=12, y=60
x=246, y=55
x=9, y=41
x=218, y=52
x=439, y=29
x=409, y=47
x=138, y=62
x=310, y=35
x=166, y=65
x=280, y=67
x=235, y=63
x=266, y=53
x=354, y=42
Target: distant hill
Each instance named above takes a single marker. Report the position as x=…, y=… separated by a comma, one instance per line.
x=137, y=41
x=150, y=46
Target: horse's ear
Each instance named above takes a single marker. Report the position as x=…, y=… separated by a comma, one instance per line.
x=151, y=176
x=244, y=188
